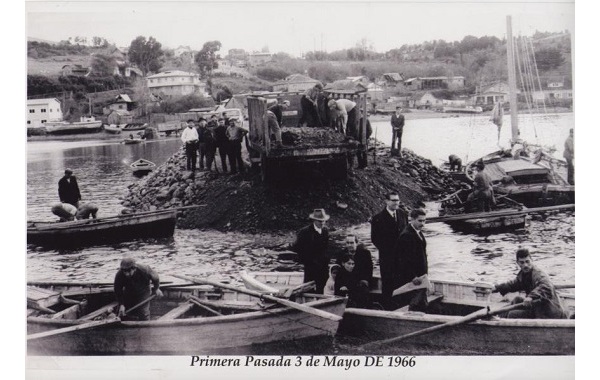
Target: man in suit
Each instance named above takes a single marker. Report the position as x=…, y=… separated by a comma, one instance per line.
x=311, y=246
x=411, y=248
x=68, y=190
x=385, y=230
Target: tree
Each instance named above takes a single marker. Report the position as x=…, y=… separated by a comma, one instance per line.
x=206, y=59
x=146, y=54
x=548, y=59
x=103, y=65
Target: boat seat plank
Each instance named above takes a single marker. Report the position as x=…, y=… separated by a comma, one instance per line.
x=99, y=311
x=71, y=310
x=177, y=312
x=430, y=298
x=36, y=294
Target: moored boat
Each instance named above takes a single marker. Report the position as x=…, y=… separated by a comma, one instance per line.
x=114, y=128
x=133, y=140
x=187, y=320
x=449, y=302
x=85, y=125
x=142, y=166
x=78, y=233
x=465, y=109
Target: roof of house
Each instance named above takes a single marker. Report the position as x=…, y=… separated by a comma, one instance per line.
x=121, y=112
x=123, y=98
x=435, y=78
x=31, y=102
x=357, y=78
x=172, y=73
x=395, y=77
x=296, y=78
x=346, y=84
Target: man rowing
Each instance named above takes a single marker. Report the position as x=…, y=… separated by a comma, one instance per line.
x=132, y=286
x=541, y=299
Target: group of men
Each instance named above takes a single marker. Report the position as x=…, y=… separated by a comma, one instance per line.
x=69, y=207
x=203, y=138
x=397, y=234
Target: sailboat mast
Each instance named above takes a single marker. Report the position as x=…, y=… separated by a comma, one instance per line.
x=512, y=80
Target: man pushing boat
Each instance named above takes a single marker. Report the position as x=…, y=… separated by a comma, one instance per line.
x=541, y=299
x=132, y=286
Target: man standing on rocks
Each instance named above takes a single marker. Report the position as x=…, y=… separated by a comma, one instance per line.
x=311, y=247
x=190, y=140
x=397, y=129
x=203, y=136
x=222, y=142
x=68, y=190
x=385, y=230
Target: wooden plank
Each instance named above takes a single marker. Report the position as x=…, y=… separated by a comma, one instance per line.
x=177, y=312
x=198, y=302
x=73, y=328
x=71, y=310
x=498, y=213
x=98, y=312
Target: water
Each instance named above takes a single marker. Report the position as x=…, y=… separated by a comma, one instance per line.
x=102, y=169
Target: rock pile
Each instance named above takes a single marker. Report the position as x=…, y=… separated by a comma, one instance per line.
x=243, y=203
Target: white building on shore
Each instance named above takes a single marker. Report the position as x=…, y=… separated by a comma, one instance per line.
x=176, y=83
x=40, y=111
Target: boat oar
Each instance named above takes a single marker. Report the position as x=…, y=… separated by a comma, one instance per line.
x=82, y=326
x=134, y=307
x=466, y=319
x=284, y=302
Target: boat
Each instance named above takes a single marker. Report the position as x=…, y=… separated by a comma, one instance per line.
x=532, y=178
x=449, y=301
x=85, y=125
x=130, y=127
x=142, y=166
x=456, y=204
x=114, y=128
x=465, y=109
x=133, y=140
x=188, y=320
x=86, y=232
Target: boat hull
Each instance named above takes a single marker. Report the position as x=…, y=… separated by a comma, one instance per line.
x=492, y=337
x=218, y=335
x=102, y=231
x=73, y=128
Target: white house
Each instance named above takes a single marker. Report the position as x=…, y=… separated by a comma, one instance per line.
x=176, y=83
x=552, y=94
x=40, y=111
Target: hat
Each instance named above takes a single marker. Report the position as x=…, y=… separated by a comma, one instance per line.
x=232, y=121
x=319, y=214
x=331, y=103
x=127, y=263
x=68, y=171
x=201, y=119
x=286, y=102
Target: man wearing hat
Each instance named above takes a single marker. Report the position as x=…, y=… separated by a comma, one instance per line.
x=235, y=135
x=311, y=246
x=204, y=135
x=189, y=136
x=310, y=110
x=385, y=230
x=132, y=286
x=68, y=190
x=278, y=109
x=482, y=197
x=222, y=142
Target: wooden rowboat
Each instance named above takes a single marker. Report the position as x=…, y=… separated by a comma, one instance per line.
x=142, y=166
x=79, y=233
x=187, y=320
x=449, y=301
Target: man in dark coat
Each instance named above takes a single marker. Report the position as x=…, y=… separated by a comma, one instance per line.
x=385, y=230
x=361, y=152
x=362, y=258
x=222, y=142
x=68, y=190
x=278, y=109
x=311, y=246
x=411, y=248
x=132, y=286
x=541, y=300
x=397, y=129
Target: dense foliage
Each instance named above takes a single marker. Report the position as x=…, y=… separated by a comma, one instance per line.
x=146, y=54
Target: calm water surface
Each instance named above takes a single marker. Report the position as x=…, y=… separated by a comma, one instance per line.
x=102, y=169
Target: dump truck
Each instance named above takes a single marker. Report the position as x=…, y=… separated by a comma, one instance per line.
x=309, y=145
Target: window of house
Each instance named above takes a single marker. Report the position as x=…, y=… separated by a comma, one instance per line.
x=43, y=110
x=43, y=121
x=28, y=121
x=31, y=111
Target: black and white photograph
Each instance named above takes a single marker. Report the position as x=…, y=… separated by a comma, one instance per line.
x=331, y=189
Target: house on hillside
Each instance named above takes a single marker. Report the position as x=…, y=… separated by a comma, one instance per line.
x=553, y=95
x=433, y=83
x=119, y=117
x=390, y=80
x=122, y=102
x=176, y=83
x=123, y=69
x=40, y=111
x=75, y=70
x=374, y=92
x=359, y=79
x=255, y=59
x=294, y=83
x=490, y=94
x=347, y=84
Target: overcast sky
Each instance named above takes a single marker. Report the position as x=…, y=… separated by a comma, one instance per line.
x=292, y=26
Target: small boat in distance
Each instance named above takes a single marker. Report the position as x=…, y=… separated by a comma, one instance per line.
x=114, y=128
x=142, y=166
x=465, y=109
x=85, y=125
